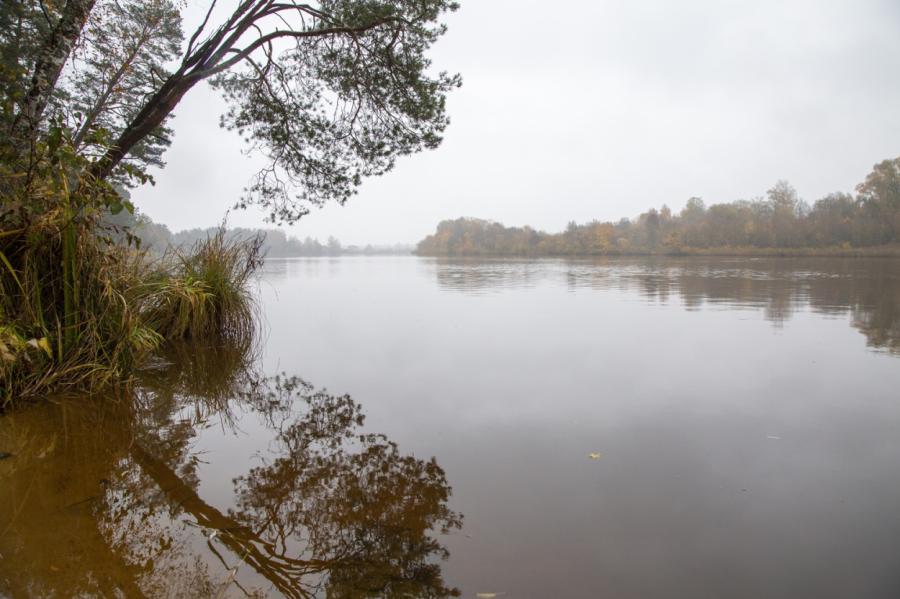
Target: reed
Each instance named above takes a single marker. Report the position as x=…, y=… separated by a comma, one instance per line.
x=205, y=292
x=78, y=313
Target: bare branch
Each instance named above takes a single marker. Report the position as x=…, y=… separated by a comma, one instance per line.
x=224, y=66
x=200, y=29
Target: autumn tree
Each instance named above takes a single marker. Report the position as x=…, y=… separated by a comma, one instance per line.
x=778, y=220
x=880, y=194
x=783, y=201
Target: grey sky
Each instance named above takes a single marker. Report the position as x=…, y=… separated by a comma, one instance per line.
x=599, y=109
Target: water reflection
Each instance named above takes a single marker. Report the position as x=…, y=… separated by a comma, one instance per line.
x=109, y=498
x=275, y=270
x=479, y=276
x=868, y=290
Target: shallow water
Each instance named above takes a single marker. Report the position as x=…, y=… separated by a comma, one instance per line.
x=743, y=415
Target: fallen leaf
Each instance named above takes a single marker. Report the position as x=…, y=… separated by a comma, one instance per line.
x=594, y=455
x=42, y=344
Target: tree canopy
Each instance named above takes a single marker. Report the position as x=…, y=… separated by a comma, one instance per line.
x=329, y=92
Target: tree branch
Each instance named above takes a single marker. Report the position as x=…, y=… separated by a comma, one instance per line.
x=241, y=54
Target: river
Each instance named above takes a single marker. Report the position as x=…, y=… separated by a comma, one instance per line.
x=417, y=427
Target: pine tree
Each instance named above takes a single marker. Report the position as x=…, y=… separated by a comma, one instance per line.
x=126, y=45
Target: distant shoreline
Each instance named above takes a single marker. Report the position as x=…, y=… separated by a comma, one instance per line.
x=882, y=251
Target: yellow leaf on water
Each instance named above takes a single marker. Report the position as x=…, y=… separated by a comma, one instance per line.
x=594, y=455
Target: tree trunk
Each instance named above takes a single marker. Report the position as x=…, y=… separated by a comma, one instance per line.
x=285, y=573
x=48, y=66
x=151, y=116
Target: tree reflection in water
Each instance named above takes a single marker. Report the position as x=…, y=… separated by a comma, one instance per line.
x=101, y=497
x=866, y=289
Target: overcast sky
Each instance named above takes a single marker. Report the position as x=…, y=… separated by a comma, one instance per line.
x=599, y=109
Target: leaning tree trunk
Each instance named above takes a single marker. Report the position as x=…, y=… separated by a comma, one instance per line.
x=49, y=64
x=154, y=112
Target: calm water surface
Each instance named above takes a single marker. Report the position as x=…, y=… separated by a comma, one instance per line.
x=620, y=428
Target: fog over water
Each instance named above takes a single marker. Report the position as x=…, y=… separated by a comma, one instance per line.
x=599, y=111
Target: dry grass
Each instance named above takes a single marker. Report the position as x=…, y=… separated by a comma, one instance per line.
x=205, y=292
x=79, y=314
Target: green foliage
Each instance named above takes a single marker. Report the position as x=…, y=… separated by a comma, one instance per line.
x=332, y=92
x=24, y=24
x=780, y=223
x=119, y=60
x=351, y=92
x=127, y=45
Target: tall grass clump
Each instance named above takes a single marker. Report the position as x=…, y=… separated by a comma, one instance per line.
x=204, y=292
x=70, y=304
x=79, y=312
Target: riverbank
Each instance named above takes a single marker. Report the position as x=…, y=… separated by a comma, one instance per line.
x=881, y=251
x=79, y=313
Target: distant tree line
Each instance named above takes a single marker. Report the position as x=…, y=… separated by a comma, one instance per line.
x=277, y=244
x=780, y=220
